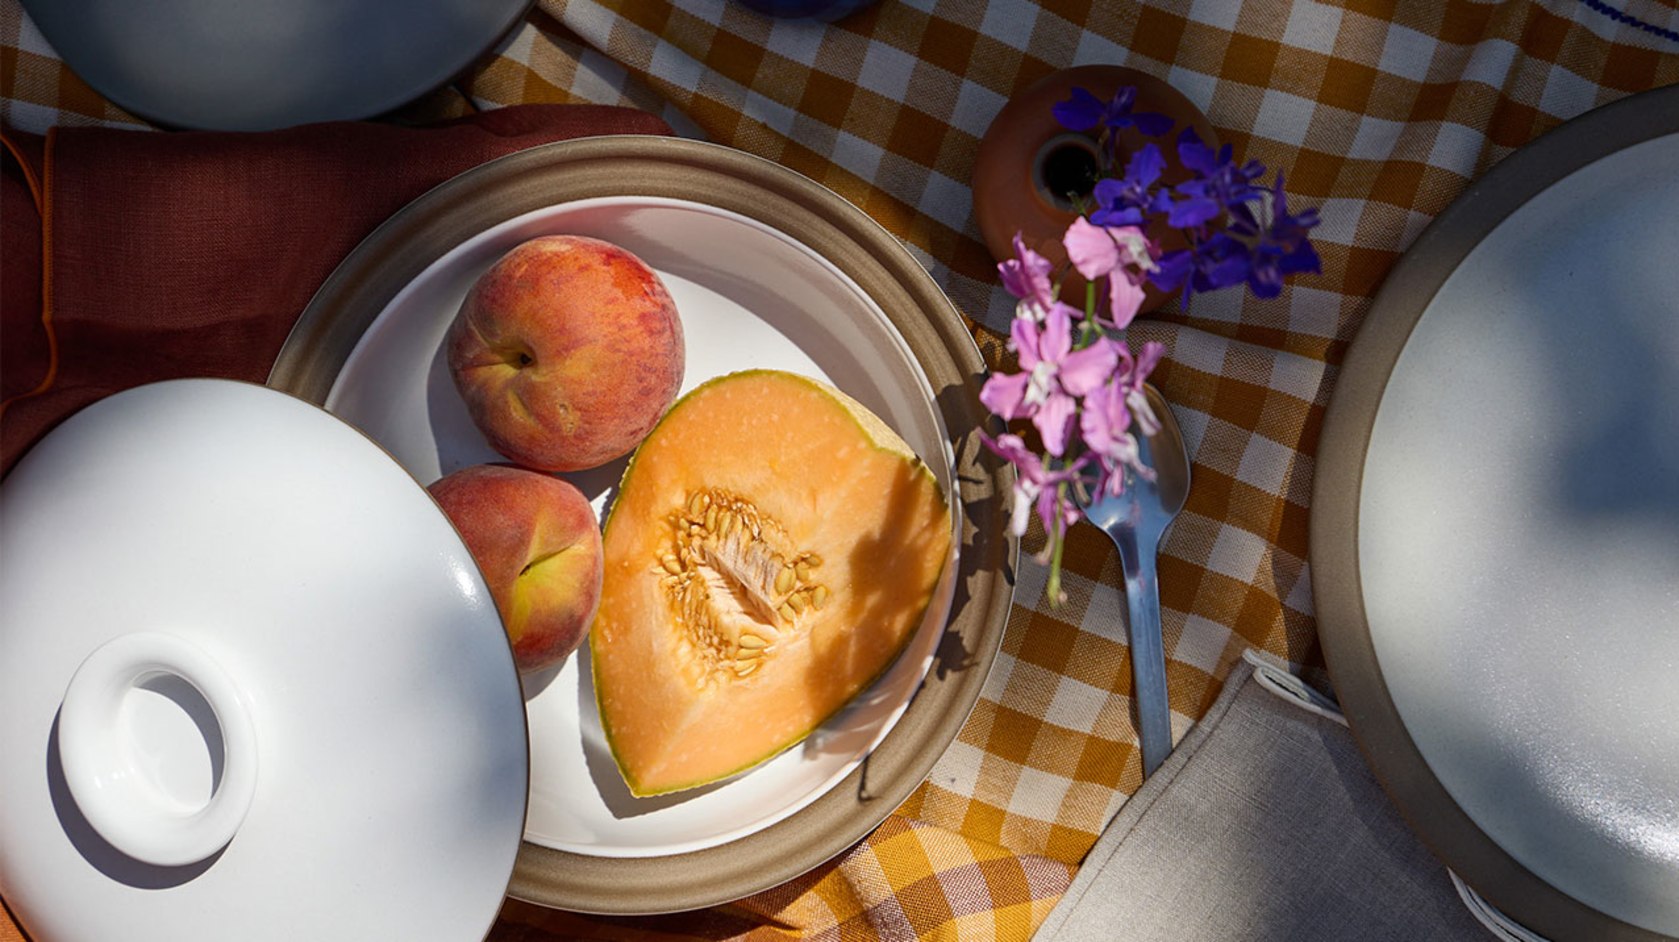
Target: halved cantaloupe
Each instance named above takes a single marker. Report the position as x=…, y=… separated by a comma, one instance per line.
x=772, y=548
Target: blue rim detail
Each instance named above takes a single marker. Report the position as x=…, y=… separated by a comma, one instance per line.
x=1630, y=20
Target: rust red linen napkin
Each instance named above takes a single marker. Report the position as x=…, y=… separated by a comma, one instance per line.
x=134, y=256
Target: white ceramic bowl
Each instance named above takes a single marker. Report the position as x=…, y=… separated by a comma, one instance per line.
x=251, y=684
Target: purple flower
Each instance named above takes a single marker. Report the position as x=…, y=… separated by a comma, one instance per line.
x=1053, y=375
x=1036, y=487
x=1118, y=253
x=1280, y=249
x=1079, y=385
x=1261, y=254
x=1219, y=184
x=1126, y=201
x=1217, y=261
x=1083, y=111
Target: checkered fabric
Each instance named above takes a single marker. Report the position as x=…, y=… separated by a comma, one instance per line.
x=1380, y=111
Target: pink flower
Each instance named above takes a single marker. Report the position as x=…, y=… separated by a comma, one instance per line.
x=1053, y=375
x=1134, y=376
x=1119, y=253
x=1105, y=424
x=1036, y=487
x=1026, y=276
x=1109, y=412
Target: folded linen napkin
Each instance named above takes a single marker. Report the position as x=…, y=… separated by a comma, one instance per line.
x=134, y=256
x=1273, y=806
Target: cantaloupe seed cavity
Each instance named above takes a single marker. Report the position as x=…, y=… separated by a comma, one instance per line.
x=737, y=586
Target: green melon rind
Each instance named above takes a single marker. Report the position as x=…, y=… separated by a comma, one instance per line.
x=884, y=439
x=637, y=790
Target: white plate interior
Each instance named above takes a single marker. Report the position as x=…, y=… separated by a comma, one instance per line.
x=1519, y=535
x=749, y=297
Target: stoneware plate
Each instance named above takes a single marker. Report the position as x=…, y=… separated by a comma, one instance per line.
x=767, y=270
x=748, y=296
x=251, y=684
x=1495, y=530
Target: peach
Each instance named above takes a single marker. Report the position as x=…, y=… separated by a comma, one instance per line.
x=537, y=542
x=567, y=351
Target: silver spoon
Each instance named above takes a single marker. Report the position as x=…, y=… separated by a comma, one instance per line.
x=1136, y=520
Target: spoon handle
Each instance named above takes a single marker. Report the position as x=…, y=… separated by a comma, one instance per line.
x=1148, y=650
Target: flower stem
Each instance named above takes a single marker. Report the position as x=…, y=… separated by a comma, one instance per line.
x=1090, y=329
x=1058, y=542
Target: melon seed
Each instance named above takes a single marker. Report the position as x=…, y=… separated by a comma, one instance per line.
x=819, y=596
x=734, y=581
x=743, y=669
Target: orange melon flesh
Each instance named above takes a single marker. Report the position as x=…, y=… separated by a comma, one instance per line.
x=772, y=548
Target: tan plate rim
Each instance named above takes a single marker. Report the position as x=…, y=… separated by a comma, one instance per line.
x=644, y=165
x=1348, y=424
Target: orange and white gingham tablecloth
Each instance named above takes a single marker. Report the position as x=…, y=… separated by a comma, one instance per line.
x=1381, y=112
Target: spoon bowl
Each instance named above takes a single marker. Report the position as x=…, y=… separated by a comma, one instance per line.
x=1136, y=520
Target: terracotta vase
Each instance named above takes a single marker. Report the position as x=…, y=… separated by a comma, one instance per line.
x=1027, y=159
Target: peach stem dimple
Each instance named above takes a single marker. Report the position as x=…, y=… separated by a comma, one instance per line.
x=544, y=558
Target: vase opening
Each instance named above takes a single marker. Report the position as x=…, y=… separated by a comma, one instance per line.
x=1066, y=171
